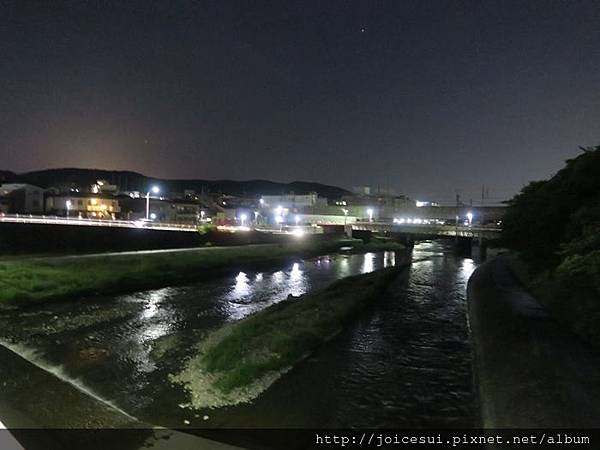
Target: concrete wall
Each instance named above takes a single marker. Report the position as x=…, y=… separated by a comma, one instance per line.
x=531, y=372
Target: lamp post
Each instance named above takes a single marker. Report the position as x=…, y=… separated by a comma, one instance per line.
x=155, y=190
x=68, y=205
x=243, y=218
x=370, y=213
x=345, y=215
x=470, y=217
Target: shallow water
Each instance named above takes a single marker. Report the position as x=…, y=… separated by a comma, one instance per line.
x=122, y=348
x=405, y=363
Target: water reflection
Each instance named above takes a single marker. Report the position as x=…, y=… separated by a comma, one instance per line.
x=343, y=267
x=368, y=263
x=135, y=333
x=241, y=288
x=466, y=269
x=389, y=259
x=155, y=317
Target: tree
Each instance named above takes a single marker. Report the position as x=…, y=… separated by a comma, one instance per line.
x=547, y=215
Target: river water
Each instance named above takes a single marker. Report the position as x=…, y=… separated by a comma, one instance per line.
x=406, y=362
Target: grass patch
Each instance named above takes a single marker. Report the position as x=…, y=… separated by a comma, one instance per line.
x=27, y=281
x=236, y=363
x=376, y=244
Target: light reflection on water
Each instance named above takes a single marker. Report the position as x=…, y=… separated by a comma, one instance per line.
x=407, y=363
x=368, y=263
x=149, y=321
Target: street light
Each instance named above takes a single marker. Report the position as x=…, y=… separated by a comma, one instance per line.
x=297, y=218
x=470, y=217
x=155, y=190
x=370, y=213
x=345, y=215
x=68, y=205
x=243, y=218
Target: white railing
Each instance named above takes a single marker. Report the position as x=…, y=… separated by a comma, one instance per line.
x=76, y=221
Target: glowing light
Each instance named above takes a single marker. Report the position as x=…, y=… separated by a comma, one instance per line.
x=470, y=217
x=153, y=216
x=368, y=264
x=298, y=232
x=297, y=219
x=243, y=218
x=370, y=213
x=296, y=273
x=155, y=189
x=241, y=285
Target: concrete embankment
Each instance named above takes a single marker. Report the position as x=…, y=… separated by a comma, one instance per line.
x=531, y=372
x=46, y=411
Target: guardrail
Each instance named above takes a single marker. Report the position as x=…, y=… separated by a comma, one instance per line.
x=440, y=230
x=76, y=221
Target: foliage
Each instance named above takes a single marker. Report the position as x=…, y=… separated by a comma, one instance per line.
x=206, y=228
x=555, y=227
x=546, y=215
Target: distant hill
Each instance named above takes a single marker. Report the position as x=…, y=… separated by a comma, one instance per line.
x=6, y=175
x=133, y=181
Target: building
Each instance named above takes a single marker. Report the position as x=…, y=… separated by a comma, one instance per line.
x=104, y=187
x=160, y=209
x=20, y=198
x=90, y=206
x=293, y=202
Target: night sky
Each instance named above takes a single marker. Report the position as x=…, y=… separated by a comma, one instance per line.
x=423, y=97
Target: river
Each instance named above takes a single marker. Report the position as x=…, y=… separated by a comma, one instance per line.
x=406, y=362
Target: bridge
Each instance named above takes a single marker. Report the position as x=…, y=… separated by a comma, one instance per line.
x=434, y=230
x=464, y=235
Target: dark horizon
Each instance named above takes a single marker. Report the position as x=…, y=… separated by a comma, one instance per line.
x=423, y=97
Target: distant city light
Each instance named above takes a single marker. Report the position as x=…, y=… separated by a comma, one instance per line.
x=420, y=204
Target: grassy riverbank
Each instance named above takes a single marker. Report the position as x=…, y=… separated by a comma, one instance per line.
x=26, y=281
x=236, y=363
x=35, y=280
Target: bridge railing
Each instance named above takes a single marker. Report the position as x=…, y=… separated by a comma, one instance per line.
x=77, y=221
